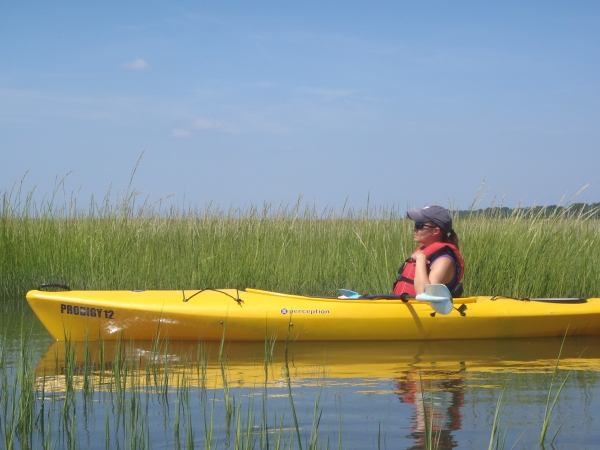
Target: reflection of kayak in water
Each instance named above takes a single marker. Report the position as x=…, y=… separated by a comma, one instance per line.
x=252, y=315
x=310, y=362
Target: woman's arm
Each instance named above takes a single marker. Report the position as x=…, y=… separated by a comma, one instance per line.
x=441, y=271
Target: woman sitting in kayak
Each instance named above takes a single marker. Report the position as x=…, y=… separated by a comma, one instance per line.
x=437, y=260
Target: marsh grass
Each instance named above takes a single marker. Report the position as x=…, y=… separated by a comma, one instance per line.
x=551, y=402
x=295, y=249
x=288, y=381
x=125, y=245
x=497, y=441
x=431, y=438
x=49, y=410
x=126, y=395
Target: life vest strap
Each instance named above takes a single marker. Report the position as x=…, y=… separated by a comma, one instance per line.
x=407, y=280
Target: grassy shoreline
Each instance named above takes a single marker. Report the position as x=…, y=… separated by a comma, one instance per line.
x=123, y=245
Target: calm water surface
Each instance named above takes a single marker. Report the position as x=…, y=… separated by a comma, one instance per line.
x=345, y=394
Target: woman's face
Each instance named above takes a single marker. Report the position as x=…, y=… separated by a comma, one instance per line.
x=426, y=233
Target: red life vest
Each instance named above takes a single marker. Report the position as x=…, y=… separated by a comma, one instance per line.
x=405, y=284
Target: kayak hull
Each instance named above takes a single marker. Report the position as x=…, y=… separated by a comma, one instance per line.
x=254, y=315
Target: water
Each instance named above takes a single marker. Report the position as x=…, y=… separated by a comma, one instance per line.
x=349, y=395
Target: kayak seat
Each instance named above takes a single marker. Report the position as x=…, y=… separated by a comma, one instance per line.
x=457, y=291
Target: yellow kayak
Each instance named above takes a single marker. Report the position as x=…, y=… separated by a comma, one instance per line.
x=255, y=315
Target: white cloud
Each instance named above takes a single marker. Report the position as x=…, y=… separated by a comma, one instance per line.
x=136, y=64
x=202, y=123
x=206, y=124
x=181, y=133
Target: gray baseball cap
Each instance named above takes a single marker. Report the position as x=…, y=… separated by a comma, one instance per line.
x=436, y=214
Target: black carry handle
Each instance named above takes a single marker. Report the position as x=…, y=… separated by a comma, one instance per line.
x=544, y=300
x=52, y=286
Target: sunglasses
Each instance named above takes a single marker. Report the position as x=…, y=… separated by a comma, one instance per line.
x=421, y=225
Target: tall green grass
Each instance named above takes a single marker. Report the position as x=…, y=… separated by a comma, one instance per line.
x=121, y=243
x=115, y=401
x=124, y=398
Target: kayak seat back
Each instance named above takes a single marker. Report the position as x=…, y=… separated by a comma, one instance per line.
x=457, y=291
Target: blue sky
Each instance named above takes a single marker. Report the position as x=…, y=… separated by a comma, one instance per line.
x=240, y=103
